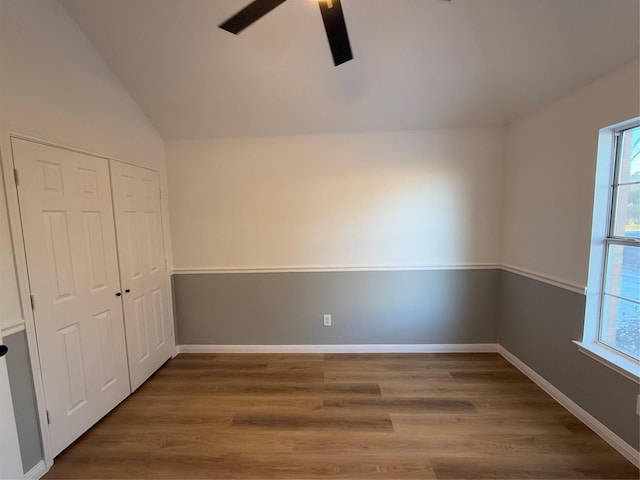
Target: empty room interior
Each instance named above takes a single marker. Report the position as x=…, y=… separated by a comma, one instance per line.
x=319, y=239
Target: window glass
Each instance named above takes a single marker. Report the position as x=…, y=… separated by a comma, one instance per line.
x=620, y=328
x=629, y=169
x=620, y=314
x=626, y=212
x=623, y=271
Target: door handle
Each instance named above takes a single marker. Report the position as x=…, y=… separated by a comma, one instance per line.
x=118, y=294
x=128, y=290
x=3, y=350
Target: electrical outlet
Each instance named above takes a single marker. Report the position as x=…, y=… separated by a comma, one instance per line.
x=327, y=320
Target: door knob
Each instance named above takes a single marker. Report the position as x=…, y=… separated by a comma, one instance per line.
x=118, y=294
x=3, y=350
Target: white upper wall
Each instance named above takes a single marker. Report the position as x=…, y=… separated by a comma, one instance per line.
x=348, y=200
x=550, y=175
x=10, y=310
x=54, y=86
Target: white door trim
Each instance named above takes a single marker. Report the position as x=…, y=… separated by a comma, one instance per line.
x=15, y=224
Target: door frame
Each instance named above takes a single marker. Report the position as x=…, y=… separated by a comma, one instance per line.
x=27, y=322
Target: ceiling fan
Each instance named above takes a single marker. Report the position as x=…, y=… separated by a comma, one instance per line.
x=332, y=17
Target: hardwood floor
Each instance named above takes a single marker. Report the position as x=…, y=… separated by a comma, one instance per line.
x=340, y=416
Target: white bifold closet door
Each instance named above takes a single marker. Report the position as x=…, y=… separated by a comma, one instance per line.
x=143, y=271
x=68, y=226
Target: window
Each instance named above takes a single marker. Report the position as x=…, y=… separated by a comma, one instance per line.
x=619, y=326
x=612, y=314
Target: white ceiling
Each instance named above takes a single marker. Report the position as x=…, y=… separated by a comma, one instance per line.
x=418, y=63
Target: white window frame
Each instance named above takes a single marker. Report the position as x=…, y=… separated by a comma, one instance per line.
x=600, y=238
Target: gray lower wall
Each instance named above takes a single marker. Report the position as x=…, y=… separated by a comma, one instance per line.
x=535, y=321
x=538, y=323
x=24, y=399
x=387, y=307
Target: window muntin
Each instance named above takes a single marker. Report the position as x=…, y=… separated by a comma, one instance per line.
x=620, y=306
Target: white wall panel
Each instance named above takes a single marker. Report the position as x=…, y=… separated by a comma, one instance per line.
x=375, y=199
x=55, y=86
x=10, y=309
x=550, y=175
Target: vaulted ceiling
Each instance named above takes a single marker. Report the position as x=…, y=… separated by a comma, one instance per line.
x=418, y=63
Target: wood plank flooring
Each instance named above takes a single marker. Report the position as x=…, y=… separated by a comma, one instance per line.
x=340, y=416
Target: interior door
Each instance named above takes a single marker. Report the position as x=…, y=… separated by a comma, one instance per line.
x=68, y=226
x=143, y=272
x=10, y=461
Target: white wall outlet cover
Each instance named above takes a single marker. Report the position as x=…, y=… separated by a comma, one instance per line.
x=327, y=320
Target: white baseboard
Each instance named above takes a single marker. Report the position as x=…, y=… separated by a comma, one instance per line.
x=37, y=472
x=607, y=435
x=371, y=348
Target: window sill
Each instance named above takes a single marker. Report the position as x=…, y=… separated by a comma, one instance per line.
x=615, y=361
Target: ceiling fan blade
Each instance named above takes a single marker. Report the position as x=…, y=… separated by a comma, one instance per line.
x=336, y=29
x=249, y=14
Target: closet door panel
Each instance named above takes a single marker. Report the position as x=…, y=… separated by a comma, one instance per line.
x=145, y=280
x=68, y=226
